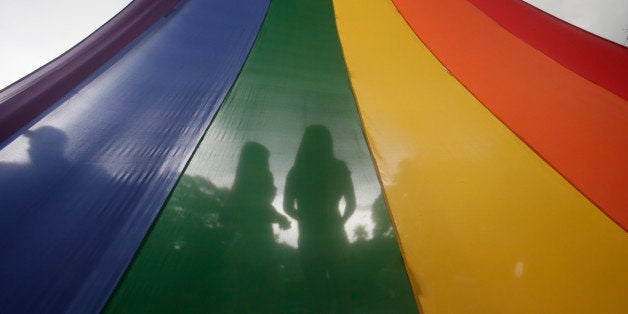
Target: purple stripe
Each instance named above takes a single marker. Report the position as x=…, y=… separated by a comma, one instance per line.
x=24, y=100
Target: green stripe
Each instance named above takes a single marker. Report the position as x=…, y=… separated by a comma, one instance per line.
x=217, y=246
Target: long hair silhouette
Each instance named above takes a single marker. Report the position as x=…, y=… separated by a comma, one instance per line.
x=248, y=207
x=248, y=212
x=314, y=187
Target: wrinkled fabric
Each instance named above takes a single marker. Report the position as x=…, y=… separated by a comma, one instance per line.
x=81, y=185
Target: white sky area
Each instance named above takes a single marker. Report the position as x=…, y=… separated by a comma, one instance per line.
x=33, y=32
x=605, y=18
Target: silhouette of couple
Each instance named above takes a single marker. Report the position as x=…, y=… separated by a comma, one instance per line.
x=315, y=185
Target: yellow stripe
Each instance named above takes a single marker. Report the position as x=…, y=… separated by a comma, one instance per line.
x=486, y=225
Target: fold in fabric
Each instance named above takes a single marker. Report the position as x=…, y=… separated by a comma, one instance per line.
x=81, y=186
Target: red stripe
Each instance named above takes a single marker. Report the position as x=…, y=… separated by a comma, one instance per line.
x=26, y=99
x=601, y=61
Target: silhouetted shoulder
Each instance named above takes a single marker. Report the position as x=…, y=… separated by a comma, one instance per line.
x=10, y=174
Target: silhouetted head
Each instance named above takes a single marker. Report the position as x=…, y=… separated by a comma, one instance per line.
x=253, y=174
x=253, y=157
x=316, y=146
x=46, y=142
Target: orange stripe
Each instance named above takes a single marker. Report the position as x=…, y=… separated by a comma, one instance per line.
x=579, y=128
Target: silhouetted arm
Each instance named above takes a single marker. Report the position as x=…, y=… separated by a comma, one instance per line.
x=349, y=195
x=289, y=198
x=283, y=222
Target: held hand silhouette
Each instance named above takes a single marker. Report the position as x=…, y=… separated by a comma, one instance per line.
x=284, y=223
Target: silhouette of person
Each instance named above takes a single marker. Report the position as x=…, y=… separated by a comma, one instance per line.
x=45, y=223
x=47, y=159
x=314, y=187
x=249, y=212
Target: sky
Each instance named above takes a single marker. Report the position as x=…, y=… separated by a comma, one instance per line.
x=33, y=32
x=605, y=18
